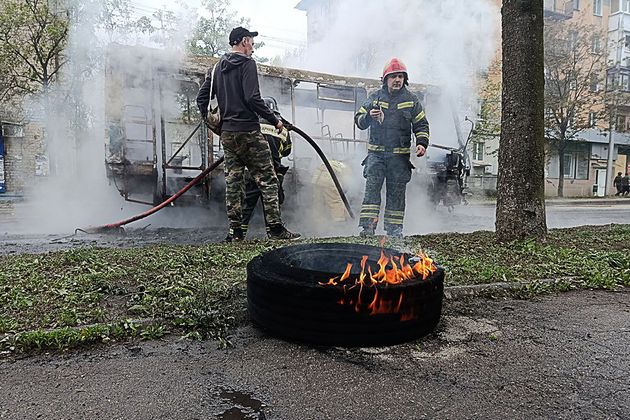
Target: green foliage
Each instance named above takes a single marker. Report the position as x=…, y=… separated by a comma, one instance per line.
x=210, y=36
x=71, y=298
x=32, y=40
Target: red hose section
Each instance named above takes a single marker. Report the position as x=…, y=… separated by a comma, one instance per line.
x=165, y=202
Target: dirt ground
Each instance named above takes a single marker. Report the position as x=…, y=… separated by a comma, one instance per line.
x=562, y=356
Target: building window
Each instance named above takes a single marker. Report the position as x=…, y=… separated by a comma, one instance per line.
x=576, y=4
x=12, y=130
x=568, y=163
x=550, y=5
x=620, y=5
x=581, y=165
x=624, y=82
x=597, y=7
x=594, y=87
x=478, y=151
x=621, y=124
x=596, y=44
x=592, y=119
x=576, y=161
x=610, y=81
x=573, y=39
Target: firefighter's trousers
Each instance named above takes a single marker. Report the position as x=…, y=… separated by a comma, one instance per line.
x=395, y=171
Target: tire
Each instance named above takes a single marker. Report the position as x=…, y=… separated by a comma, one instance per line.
x=285, y=298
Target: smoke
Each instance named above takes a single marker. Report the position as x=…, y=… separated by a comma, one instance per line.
x=446, y=44
x=77, y=192
x=443, y=43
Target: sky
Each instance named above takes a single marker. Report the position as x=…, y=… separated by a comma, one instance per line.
x=280, y=25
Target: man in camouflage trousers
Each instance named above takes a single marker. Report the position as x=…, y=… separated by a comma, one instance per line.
x=238, y=95
x=280, y=146
x=394, y=115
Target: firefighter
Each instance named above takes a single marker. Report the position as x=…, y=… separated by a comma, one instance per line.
x=394, y=116
x=327, y=203
x=280, y=146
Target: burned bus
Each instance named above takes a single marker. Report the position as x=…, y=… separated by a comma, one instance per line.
x=156, y=144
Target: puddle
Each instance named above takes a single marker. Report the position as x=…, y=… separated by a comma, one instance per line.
x=244, y=406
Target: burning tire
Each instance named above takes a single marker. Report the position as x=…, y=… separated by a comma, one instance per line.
x=298, y=292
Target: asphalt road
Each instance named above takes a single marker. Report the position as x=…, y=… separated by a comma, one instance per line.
x=562, y=357
x=198, y=230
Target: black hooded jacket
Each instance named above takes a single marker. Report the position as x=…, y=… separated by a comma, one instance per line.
x=238, y=94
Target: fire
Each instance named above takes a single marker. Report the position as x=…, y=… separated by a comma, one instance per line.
x=392, y=270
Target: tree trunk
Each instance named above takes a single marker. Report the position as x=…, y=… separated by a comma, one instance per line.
x=561, y=148
x=520, y=189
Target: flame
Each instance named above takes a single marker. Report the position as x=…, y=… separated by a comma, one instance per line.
x=392, y=270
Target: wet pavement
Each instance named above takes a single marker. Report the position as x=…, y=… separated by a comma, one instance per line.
x=562, y=356
x=151, y=231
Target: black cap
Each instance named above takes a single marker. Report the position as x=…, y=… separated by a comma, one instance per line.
x=239, y=33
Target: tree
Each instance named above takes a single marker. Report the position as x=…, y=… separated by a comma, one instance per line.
x=574, y=66
x=520, y=210
x=32, y=40
x=119, y=23
x=210, y=36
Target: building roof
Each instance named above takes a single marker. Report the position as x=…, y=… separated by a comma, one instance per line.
x=201, y=64
x=198, y=66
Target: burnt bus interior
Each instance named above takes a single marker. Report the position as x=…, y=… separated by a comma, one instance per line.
x=155, y=143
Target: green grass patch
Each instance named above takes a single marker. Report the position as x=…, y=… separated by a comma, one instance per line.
x=70, y=298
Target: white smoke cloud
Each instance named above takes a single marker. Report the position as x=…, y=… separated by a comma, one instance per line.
x=444, y=43
x=77, y=192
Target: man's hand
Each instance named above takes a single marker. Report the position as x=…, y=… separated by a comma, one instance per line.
x=377, y=115
x=420, y=150
x=279, y=127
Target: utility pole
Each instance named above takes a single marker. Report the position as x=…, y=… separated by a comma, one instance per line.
x=611, y=148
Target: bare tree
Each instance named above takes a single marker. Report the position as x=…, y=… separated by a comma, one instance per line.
x=575, y=56
x=520, y=188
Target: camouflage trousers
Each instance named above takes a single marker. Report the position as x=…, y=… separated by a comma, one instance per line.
x=249, y=150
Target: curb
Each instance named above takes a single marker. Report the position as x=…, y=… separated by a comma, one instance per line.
x=565, y=203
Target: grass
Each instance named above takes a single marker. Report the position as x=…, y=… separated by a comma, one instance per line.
x=66, y=299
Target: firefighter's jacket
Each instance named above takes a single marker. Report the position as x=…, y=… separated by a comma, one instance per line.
x=279, y=144
x=403, y=118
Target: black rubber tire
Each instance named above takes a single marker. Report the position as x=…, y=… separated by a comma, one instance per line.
x=285, y=299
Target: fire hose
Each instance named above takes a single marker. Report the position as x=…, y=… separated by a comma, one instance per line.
x=117, y=226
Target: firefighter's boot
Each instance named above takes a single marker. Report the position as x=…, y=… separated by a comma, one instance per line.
x=367, y=232
x=395, y=232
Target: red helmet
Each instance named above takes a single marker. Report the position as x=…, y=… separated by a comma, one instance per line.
x=394, y=66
